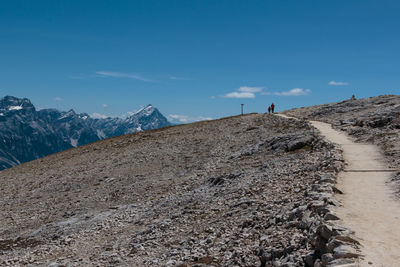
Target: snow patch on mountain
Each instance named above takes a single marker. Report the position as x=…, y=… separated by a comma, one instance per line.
x=100, y=134
x=74, y=142
x=146, y=111
x=15, y=108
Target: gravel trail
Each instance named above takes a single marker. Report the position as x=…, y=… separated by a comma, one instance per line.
x=368, y=204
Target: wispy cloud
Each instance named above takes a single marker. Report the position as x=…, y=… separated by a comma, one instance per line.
x=244, y=92
x=338, y=83
x=105, y=106
x=58, y=99
x=176, y=118
x=292, y=92
x=249, y=89
x=177, y=78
x=98, y=116
x=122, y=75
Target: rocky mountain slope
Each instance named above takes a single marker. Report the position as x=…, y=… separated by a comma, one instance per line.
x=27, y=134
x=375, y=120
x=251, y=190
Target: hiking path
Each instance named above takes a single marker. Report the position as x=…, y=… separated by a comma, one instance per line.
x=368, y=204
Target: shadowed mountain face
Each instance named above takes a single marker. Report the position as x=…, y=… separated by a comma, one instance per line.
x=27, y=134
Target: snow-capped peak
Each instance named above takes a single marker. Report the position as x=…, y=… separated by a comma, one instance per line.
x=10, y=103
x=146, y=111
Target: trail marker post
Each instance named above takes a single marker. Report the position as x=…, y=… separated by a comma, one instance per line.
x=242, y=108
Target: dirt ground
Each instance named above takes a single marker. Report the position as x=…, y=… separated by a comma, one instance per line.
x=224, y=192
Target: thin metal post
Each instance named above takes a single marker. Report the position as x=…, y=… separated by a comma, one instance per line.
x=242, y=108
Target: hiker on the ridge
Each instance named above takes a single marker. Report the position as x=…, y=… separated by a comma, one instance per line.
x=269, y=109
x=272, y=107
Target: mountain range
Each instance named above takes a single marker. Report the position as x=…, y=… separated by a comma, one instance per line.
x=27, y=133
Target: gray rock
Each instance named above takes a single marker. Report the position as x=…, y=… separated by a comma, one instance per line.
x=342, y=263
x=316, y=204
x=300, y=143
x=331, y=217
x=345, y=251
x=336, y=190
x=347, y=239
x=326, y=258
x=324, y=231
x=318, y=263
x=326, y=180
x=309, y=259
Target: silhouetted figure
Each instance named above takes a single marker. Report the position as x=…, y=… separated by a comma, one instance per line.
x=269, y=109
x=272, y=107
x=353, y=97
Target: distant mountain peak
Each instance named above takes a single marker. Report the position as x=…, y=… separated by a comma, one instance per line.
x=40, y=133
x=146, y=111
x=71, y=112
x=11, y=103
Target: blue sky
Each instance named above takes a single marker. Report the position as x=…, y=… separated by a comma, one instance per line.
x=197, y=59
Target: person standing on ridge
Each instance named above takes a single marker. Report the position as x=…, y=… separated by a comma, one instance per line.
x=269, y=109
x=272, y=107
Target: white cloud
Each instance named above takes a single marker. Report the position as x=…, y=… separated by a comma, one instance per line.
x=240, y=95
x=176, y=118
x=98, y=116
x=338, y=83
x=244, y=92
x=292, y=92
x=249, y=89
x=122, y=75
x=179, y=118
x=58, y=99
x=105, y=106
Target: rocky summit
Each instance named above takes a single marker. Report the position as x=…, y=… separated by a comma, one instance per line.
x=27, y=134
x=252, y=190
